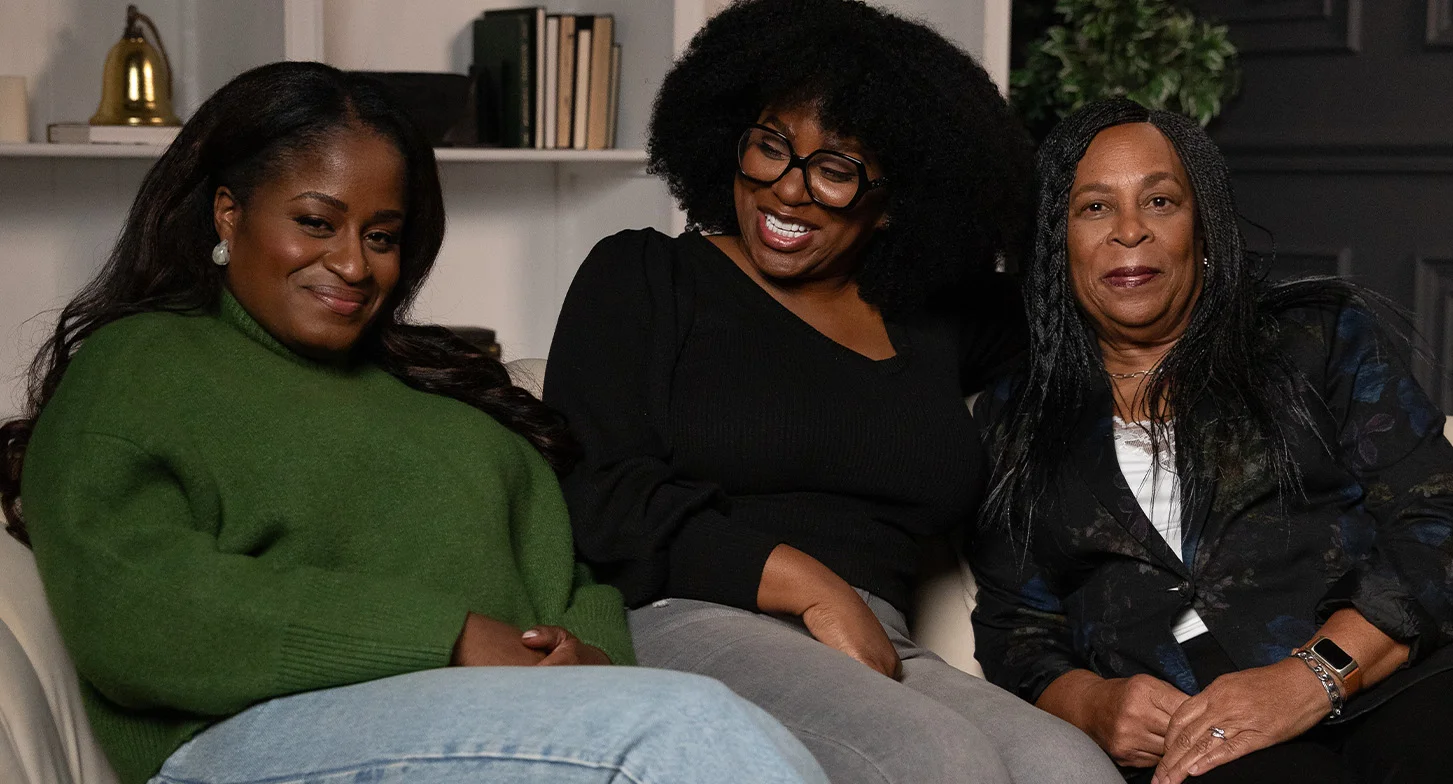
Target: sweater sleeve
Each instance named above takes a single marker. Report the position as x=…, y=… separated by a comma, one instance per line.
x=1392, y=439
x=157, y=617
x=645, y=529
x=596, y=616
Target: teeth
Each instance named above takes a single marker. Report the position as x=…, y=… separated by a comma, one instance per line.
x=779, y=226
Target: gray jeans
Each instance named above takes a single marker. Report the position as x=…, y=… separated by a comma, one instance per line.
x=937, y=724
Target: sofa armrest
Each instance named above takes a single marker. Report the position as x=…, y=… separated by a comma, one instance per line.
x=46, y=737
x=943, y=606
x=31, y=751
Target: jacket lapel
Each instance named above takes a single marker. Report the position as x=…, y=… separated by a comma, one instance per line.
x=1094, y=462
x=1198, y=493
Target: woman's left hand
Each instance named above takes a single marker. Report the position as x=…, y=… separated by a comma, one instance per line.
x=562, y=648
x=1255, y=709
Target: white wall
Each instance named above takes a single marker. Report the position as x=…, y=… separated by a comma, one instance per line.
x=59, y=217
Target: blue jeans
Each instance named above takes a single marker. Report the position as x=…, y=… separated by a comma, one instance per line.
x=501, y=724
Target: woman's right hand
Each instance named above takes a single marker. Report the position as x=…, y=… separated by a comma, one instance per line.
x=795, y=583
x=486, y=642
x=1127, y=717
x=846, y=623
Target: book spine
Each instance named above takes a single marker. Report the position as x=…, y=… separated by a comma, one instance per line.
x=83, y=133
x=550, y=76
x=497, y=106
x=526, y=82
x=566, y=102
x=602, y=38
x=613, y=116
x=537, y=78
x=582, y=87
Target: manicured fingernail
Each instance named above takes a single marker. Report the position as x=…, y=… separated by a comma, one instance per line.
x=531, y=633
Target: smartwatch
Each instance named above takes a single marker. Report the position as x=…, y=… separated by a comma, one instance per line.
x=1338, y=661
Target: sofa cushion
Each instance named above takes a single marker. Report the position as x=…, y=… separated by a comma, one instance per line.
x=46, y=738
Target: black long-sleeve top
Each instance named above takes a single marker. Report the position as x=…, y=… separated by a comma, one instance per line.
x=716, y=424
x=1100, y=589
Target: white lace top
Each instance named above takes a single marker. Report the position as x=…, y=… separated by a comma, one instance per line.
x=1159, y=497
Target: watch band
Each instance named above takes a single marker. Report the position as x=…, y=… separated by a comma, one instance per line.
x=1339, y=662
x=1324, y=676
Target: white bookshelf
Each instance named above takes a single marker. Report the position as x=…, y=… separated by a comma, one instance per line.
x=46, y=150
x=519, y=221
x=444, y=154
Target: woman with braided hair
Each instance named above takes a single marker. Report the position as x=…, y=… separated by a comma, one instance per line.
x=1219, y=535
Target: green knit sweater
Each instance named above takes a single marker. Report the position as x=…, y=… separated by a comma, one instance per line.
x=219, y=521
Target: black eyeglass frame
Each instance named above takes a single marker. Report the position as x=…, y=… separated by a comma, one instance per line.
x=795, y=161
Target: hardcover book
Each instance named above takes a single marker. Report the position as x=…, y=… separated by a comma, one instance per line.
x=508, y=56
x=602, y=40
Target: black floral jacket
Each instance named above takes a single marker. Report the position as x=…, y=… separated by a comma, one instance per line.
x=1099, y=588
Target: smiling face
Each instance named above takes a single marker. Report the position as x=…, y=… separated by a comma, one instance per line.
x=788, y=237
x=315, y=251
x=1134, y=254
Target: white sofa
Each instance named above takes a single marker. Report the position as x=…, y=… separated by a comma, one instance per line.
x=44, y=735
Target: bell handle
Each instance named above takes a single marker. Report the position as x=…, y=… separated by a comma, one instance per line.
x=132, y=16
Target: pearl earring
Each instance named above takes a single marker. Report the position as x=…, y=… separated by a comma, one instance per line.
x=1206, y=262
x=221, y=254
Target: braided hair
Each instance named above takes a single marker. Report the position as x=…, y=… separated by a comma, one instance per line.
x=1227, y=353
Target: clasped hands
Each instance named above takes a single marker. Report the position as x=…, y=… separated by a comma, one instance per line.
x=1143, y=721
x=486, y=642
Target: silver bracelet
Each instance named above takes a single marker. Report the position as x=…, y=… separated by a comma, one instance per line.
x=1334, y=692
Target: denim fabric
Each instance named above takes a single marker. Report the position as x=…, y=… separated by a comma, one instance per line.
x=934, y=726
x=504, y=725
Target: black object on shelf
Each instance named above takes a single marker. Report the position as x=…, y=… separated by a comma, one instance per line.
x=443, y=104
x=481, y=338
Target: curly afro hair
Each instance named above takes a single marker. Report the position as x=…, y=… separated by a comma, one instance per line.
x=959, y=161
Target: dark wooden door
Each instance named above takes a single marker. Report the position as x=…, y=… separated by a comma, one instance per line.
x=1341, y=143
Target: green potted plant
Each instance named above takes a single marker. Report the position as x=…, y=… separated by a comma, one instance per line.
x=1156, y=52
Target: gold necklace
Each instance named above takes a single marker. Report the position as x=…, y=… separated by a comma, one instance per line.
x=1136, y=374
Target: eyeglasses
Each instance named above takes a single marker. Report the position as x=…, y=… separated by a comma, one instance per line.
x=833, y=180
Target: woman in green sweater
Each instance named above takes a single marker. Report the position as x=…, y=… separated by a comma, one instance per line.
x=270, y=514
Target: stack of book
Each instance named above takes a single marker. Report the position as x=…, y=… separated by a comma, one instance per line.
x=547, y=81
x=84, y=133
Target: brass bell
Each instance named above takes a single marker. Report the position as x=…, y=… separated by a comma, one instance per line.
x=136, y=88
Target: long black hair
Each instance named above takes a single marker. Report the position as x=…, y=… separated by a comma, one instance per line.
x=959, y=161
x=245, y=134
x=1226, y=354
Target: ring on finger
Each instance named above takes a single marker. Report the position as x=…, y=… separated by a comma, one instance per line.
x=1218, y=733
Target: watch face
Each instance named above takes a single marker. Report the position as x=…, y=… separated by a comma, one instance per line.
x=1332, y=654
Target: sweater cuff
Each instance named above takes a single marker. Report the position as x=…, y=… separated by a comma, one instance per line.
x=716, y=561
x=598, y=618
x=329, y=642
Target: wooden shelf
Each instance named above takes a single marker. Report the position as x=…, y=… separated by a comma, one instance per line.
x=445, y=155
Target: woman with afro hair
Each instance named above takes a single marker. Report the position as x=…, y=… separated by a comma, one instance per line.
x=771, y=405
